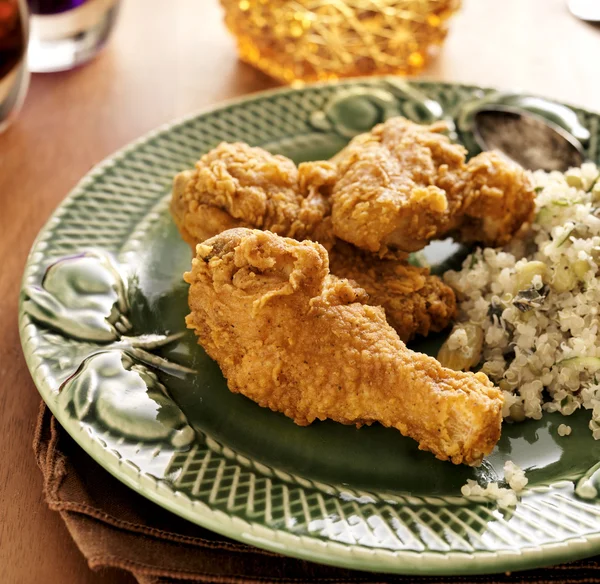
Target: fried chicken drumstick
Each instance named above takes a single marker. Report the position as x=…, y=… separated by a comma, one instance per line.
x=235, y=185
x=300, y=341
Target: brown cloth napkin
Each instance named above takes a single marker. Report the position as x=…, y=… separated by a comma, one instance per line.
x=115, y=527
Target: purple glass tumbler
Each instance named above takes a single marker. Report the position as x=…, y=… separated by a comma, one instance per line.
x=67, y=33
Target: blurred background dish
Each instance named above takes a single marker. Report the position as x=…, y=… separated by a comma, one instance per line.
x=310, y=40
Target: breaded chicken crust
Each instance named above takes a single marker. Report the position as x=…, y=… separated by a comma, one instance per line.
x=236, y=184
x=300, y=341
x=415, y=302
x=403, y=184
x=392, y=186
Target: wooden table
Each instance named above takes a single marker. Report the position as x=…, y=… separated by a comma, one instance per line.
x=165, y=60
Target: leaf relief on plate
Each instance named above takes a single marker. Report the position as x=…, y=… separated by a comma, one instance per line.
x=83, y=299
x=354, y=110
x=84, y=296
x=114, y=391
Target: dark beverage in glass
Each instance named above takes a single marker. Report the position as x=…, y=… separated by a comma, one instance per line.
x=67, y=33
x=13, y=48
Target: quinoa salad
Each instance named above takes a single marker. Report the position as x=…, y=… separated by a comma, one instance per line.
x=529, y=313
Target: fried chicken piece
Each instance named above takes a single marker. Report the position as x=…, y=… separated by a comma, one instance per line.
x=392, y=186
x=300, y=341
x=403, y=184
x=235, y=185
x=498, y=200
x=197, y=221
x=415, y=302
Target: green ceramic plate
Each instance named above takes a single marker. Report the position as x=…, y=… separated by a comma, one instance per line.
x=102, y=326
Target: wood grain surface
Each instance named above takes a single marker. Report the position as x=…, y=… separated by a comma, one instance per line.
x=167, y=59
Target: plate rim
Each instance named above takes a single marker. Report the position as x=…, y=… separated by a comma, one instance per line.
x=299, y=546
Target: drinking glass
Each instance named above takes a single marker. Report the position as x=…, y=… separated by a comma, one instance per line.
x=14, y=76
x=67, y=33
